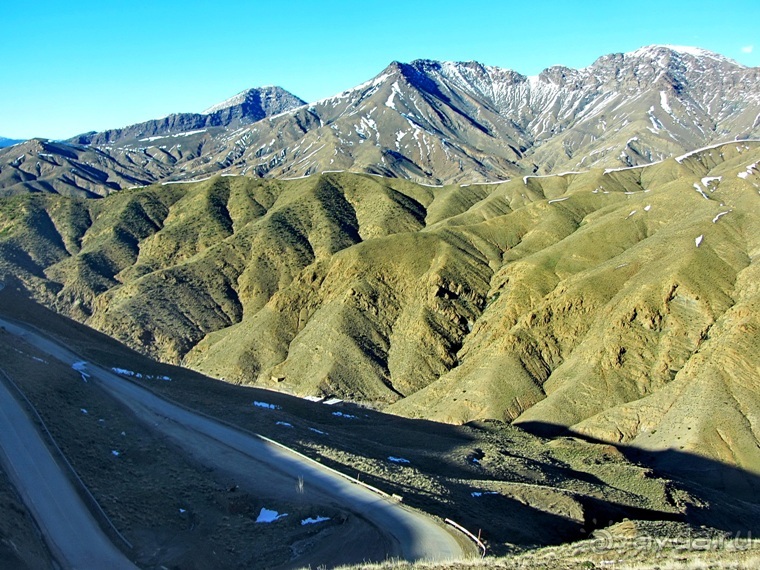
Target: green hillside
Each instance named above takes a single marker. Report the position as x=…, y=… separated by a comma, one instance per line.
x=620, y=305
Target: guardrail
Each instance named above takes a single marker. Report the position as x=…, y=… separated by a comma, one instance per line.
x=83, y=487
x=163, y=396
x=322, y=465
x=356, y=481
x=469, y=534
x=251, y=433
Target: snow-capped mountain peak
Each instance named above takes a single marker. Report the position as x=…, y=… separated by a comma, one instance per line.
x=656, y=50
x=269, y=97
x=446, y=121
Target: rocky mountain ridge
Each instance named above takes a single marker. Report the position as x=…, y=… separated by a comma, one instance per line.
x=245, y=108
x=435, y=122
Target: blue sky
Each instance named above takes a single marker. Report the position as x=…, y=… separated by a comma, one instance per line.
x=71, y=67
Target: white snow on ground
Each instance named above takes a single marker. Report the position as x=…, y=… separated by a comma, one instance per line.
x=664, y=102
x=481, y=493
x=315, y=399
x=314, y=520
x=394, y=91
x=747, y=172
x=234, y=100
x=656, y=124
x=115, y=453
x=268, y=516
x=132, y=374
x=398, y=459
x=189, y=133
x=81, y=367
x=284, y=424
x=267, y=406
x=698, y=188
x=182, y=511
x=185, y=134
x=698, y=240
x=707, y=179
x=332, y=401
x=342, y=415
x=716, y=218
x=319, y=431
x=558, y=200
x=83, y=410
x=186, y=181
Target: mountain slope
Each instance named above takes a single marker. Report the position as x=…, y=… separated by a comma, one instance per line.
x=620, y=304
x=449, y=122
x=243, y=109
x=441, y=122
x=96, y=164
x=4, y=142
x=75, y=170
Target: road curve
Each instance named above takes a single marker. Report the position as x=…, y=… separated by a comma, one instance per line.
x=405, y=533
x=72, y=534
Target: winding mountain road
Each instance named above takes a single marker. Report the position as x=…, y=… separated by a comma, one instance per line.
x=380, y=528
x=73, y=536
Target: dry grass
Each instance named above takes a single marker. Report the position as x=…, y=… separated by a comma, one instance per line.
x=636, y=555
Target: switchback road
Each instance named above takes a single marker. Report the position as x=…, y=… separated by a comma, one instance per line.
x=382, y=528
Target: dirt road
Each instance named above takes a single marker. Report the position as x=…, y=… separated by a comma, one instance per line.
x=377, y=528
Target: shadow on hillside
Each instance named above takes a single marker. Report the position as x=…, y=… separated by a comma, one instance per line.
x=724, y=494
x=729, y=495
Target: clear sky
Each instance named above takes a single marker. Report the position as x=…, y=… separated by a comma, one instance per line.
x=71, y=67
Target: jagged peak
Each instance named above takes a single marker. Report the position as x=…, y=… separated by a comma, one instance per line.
x=559, y=75
x=696, y=52
x=243, y=96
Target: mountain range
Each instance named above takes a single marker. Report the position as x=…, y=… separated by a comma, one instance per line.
x=617, y=301
x=427, y=121
x=5, y=142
